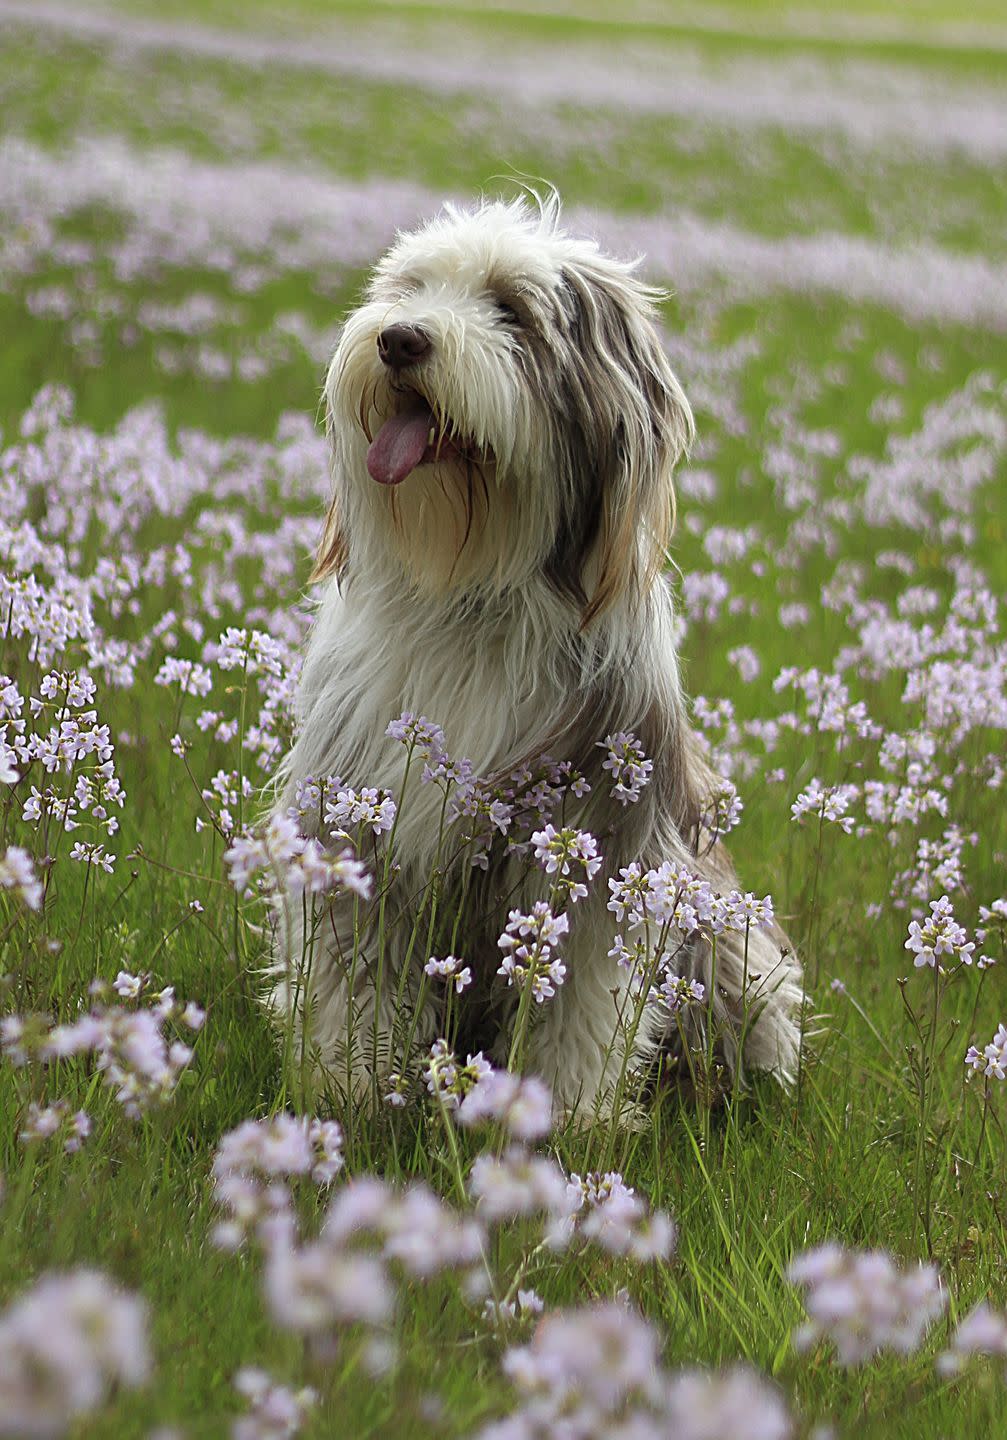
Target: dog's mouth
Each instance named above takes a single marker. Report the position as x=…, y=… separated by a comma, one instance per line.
x=415, y=436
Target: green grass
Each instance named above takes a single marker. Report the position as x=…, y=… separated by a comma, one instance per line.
x=749, y=1185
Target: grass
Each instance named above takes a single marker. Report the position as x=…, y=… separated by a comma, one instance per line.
x=750, y=1184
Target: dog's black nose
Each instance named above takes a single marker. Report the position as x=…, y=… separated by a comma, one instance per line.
x=403, y=345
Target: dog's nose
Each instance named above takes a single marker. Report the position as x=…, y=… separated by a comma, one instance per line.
x=400, y=346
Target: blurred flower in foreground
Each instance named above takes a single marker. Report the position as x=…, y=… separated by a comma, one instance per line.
x=863, y=1303
x=982, y=1332
x=595, y=1373
x=65, y=1346
x=276, y=1412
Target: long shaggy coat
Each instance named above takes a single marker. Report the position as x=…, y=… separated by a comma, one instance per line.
x=504, y=426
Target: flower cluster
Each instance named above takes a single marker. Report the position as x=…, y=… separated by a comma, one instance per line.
x=940, y=934
x=289, y=864
x=992, y=1060
x=253, y=1161
x=450, y=969
x=676, y=992
x=446, y=1079
x=522, y=1105
x=863, y=1303
x=558, y=851
x=252, y=651
x=594, y=1209
x=418, y=734
x=224, y=798
x=722, y=811
x=983, y=1331
x=514, y=807
x=138, y=1062
x=283, y=1145
x=523, y=1308
x=528, y=942
x=190, y=676
x=276, y=1412
x=673, y=896
x=596, y=1372
x=367, y=809
x=610, y=1213
x=48, y=1121
x=628, y=766
x=76, y=750
x=65, y=1346
x=347, y=1274
x=994, y=920
x=517, y=1184
x=828, y=802
x=17, y=875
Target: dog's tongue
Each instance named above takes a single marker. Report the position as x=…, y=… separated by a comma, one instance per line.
x=399, y=446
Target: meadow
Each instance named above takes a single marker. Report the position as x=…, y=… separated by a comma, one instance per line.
x=196, y=1240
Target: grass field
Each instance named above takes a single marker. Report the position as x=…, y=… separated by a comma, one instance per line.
x=190, y=195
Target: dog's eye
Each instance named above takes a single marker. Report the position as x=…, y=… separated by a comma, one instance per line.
x=507, y=314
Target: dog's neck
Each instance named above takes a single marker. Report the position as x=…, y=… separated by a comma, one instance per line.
x=533, y=618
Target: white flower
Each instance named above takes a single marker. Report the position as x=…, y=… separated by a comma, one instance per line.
x=614, y=1217
x=982, y=1332
x=517, y=1183
x=450, y=968
x=276, y=1412
x=556, y=850
x=828, y=802
x=65, y=1346
x=528, y=941
x=523, y=1105
x=864, y=1303
x=725, y=1405
x=992, y=1061
x=939, y=935
x=17, y=873
x=370, y=808
x=628, y=766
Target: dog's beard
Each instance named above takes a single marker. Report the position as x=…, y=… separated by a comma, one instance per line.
x=443, y=519
x=431, y=492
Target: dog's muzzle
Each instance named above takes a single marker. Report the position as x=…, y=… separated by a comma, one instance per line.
x=415, y=435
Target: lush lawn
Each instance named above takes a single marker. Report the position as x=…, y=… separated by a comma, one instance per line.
x=843, y=512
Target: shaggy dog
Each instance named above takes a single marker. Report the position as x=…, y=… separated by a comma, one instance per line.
x=504, y=425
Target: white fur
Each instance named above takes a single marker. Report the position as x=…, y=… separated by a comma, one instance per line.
x=530, y=616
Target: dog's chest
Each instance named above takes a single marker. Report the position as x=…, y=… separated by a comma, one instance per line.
x=491, y=687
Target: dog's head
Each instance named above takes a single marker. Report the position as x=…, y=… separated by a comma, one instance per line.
x=501, y=406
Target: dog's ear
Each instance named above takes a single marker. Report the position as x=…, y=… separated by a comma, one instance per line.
x=631, y=424
x=333, y=551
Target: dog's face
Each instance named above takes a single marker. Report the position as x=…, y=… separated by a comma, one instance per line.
x=501, y=406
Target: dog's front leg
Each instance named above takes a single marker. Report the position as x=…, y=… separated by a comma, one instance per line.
x=593, y=1037
x=342, y=1003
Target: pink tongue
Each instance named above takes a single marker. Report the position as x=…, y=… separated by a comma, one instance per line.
x=399, y=446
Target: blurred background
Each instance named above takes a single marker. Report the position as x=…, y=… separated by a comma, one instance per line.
x=190, y=189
